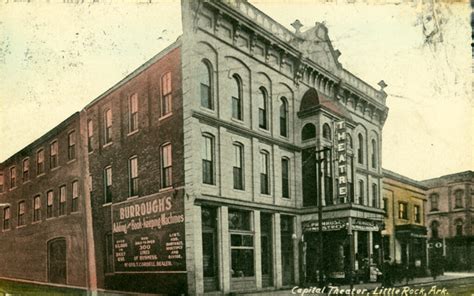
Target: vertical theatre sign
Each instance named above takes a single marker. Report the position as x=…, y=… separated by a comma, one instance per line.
x=148, y=234
x=341, y=160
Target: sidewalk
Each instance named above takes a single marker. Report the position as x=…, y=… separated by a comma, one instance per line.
x=448, y=276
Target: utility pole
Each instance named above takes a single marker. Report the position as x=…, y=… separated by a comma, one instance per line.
x=351, y=253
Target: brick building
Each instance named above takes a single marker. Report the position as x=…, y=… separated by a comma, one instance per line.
x=209, y=168
x=405, y=234
x=450, y=220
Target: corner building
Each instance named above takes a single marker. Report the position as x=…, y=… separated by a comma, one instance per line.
x=269, y=109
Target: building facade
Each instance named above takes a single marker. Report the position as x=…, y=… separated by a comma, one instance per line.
x=405, y=234
x=450, y=219
x=237, y=159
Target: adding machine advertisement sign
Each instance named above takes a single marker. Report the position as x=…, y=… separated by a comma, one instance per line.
x=148, y=233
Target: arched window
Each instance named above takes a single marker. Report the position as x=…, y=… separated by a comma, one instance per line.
x=326, y=132
x=283, y=117
x=458, y=223
x=237, y=97
x=349, y=141
x=360, y=149
x=308, y=132
x=205, y=78
x=361, y=192
x=434, y=199
x=263, y=109
x=374, y=154
x=458, y=198
x=434, y=229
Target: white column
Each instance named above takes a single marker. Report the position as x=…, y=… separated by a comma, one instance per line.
x=257, y=249
x=198, y=268
x=224, y=249
x=355, y=235
x=277, y=271
x=370, y=246
x=296, y=253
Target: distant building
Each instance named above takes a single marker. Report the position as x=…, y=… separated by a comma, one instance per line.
x=405, y=234
x=450, y=219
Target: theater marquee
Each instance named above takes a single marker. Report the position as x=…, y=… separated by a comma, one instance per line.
x=148, y=234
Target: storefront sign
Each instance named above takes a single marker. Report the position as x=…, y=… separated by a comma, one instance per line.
x=364, y=225
x=341, y=159
x=148, y=234
x=328, y=225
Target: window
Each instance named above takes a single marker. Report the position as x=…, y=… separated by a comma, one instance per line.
x=458, y=224
x=327, y=132
x=209, y=241
x=435, y=229
x=434, y=199
x=458, y=198
x=6, y=218
x=385, y=206
x=264, y=172
x=263, y=109
x=208, y=160
x=374, y=154
x=26, y=169
x=205, y=79
x=12, y=177
x=308, y=132
x=36, y=208
x=285, y=177
x=90, y=135
x=237, y=98
x=403, y=210
x=21, y=213
x=166, y=166
x=133, y=113
x=2, y=181
x=361, y=192
x=50, y=204
x=108, y=184
x=266, y=230
x=166, y=94
x=360, y=149
x=327, y=177
x=416, y=212
x=238, y=171
x=40, y=162
x=71, y=145
x=132, y=176
x=75, y=196
x=53, y=155
x=375, y=195
x=62, y=200
x=283, y=117
x=107, y=126
x=241, y=244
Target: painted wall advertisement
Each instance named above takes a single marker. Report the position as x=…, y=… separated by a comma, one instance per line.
x=148, y=233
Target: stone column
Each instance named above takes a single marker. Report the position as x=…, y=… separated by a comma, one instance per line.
x=224, y=249
x=257, y=249
x=277, y=271
x=370, y=243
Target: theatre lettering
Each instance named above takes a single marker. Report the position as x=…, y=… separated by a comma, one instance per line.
x=148, y=234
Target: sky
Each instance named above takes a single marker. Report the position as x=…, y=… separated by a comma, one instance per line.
x=55, y=58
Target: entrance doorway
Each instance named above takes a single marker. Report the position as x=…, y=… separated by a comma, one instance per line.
x=57, y=267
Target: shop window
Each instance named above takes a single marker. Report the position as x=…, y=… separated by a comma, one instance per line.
x=434, y=199
x=327, y=132
x=40, y=162
x=166, y=99
x=62, y=200
x=264, y=172
x=458, y=199
x=237, y=97
x=6, y=218
x=108, y=184
x=435, y=229
x=133, y=176
x=237, y=170
x=166, y=166
x=308, y=132
x=283, y=117
x=12, y=177
x=75, y=196
x=263, y=109
x=209, y=241
x=26, y=169
x=241, y=244
x=53, y=155
x=50, y=204
x=285, y=177
x=133, y=113
x=417, y=214
x=36, y=208
x=205, y=78
x=403, y=210
x=107, y=126
x=90, y=135
x=266, y=247
x=287, y=262
x=71, y=145
x=21, y=213
x=208, y=160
